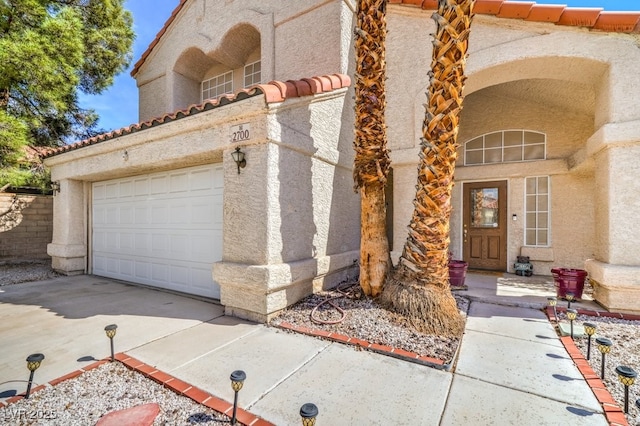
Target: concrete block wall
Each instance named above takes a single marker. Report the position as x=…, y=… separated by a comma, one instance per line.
x=26, y=226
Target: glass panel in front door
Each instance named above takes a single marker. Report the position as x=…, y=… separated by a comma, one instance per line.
x=484, y=208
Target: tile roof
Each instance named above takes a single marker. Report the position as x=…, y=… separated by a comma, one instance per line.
x=593, y=18
x=274, y=92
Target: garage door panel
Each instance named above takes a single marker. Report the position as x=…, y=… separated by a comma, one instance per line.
x=126, y=189
x=160, y=273
x=159, y=214
x=126, y=268
x=162, y=229
x=126, y=215
x=127, y=244
x=143, y=271
x=158, y=184
x=141, y=187
x=179, y=182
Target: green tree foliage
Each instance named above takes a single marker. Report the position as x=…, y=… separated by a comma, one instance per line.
x=50, y=50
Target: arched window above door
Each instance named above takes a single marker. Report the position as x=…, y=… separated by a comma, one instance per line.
x=505, y=146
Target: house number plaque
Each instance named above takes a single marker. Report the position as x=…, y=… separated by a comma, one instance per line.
x=240, y=132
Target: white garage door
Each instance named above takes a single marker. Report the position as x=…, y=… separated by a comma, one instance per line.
x=162, y=229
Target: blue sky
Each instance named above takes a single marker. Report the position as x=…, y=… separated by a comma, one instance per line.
x=118, y=106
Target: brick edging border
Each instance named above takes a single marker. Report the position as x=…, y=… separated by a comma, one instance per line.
x=374, y=347
x=167, y=380
x=612, y=411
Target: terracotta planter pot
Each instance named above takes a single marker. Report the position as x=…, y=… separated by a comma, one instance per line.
x=569, y=281
x=457, y=272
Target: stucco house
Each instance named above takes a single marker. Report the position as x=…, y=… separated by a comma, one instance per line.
x=548, y=163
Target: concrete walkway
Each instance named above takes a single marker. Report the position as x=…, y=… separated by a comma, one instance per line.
x=512, y=368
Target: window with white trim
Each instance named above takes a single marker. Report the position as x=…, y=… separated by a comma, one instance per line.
x=217, y=86
x=252, y=74
x=537, y=205
x=505, y=146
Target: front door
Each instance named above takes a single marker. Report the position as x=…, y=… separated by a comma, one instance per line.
x=485, y=225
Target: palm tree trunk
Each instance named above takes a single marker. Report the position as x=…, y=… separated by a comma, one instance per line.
x=419, y=288
x=371, y=164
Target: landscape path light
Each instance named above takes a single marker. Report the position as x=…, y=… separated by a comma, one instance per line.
x=572, y=314
x=111, y=332
x=237, y=380
x=308, y=412
x=569, y=296
x=590, y=329
x=553, y=301
x=33, y=363
x=604, y=345
x=627, y=376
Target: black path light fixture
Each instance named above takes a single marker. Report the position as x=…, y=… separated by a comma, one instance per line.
x=237, y=380
x=238, y=157
x=308, y=413
x=590, y=329
x=604, y=345
x=33, y=363
x=570, y=297
x=111, y=332
x=627, y=377
x=571, y=315
x=553, y=301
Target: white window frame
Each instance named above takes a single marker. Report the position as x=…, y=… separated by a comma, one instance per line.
x=215, y=86
x=502, y=147
x=534, y=227
x=252, y=74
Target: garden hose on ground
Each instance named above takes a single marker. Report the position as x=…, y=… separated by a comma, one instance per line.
x=348, y=291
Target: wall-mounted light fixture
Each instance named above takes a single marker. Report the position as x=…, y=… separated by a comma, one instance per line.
x=55, y=187
x=514, y=217
x=238, y=157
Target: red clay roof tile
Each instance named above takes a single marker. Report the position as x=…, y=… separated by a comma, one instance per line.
x=580, y=16
x=518, y=10
x=273, y=92
x=488, y=7
x=430, y=4
x=303, y=87
x=545, y=13
x=623, y=22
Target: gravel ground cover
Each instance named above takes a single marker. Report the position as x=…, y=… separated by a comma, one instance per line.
x=112, y=386
x=365, y=319
x=625, y=336
x=20, y=271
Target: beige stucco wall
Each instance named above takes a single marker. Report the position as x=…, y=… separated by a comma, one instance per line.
x=197, y=41
x=308, y=212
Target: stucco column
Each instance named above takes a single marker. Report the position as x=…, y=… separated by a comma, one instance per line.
x=68, y=250
x=615, y=271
